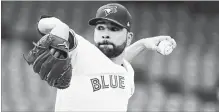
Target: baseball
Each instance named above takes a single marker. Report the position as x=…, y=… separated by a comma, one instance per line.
x=165, y=47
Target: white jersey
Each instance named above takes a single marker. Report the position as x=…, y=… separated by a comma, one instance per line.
x=97, y=84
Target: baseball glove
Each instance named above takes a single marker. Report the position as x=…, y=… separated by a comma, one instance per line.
x=55, y=69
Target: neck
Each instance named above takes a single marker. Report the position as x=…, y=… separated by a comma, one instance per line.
x=119, y=59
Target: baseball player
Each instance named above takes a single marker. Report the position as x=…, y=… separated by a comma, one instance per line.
x=92, y=77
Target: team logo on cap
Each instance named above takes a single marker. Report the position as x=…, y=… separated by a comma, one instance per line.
x=109, y=10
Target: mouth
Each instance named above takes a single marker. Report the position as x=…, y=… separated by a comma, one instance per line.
x=106, y=43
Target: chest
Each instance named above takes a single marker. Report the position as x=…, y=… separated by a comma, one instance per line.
x=100, y=86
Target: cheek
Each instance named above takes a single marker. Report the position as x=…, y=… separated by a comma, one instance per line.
x=119, y=38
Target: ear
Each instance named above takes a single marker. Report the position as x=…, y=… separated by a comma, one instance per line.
x=129, y=38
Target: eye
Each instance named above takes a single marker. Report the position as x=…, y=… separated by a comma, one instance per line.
x=115, y=29
x=100, y=27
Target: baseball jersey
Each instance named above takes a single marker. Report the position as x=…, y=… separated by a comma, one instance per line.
x=97, y=83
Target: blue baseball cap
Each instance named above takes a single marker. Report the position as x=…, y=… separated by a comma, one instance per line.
x=115, y=13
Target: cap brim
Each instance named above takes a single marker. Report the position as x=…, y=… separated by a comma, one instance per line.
x=93, y=21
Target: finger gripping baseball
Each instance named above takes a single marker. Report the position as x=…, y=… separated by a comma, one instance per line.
x=50, y=60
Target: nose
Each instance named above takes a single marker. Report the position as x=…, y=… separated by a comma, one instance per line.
x=105, y=37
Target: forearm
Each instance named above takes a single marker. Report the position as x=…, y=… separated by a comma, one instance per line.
x=134, y=50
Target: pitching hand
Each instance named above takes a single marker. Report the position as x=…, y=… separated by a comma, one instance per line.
x=154, y=43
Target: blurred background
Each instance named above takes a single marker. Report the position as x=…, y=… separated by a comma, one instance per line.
x=186, y=80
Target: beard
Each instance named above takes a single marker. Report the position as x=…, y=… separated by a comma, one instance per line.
x=110, y=49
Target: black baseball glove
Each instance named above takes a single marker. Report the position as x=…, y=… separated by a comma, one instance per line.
x=51, y=61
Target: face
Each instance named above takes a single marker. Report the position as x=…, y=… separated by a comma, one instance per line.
x=111, y=38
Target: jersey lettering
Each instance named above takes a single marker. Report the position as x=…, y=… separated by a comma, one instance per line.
x=114, y=82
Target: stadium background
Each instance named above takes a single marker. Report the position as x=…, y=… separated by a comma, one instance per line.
x=186, y=80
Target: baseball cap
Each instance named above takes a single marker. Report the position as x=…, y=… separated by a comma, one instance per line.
x=115, y=13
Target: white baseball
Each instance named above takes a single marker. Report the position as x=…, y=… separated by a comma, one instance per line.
x=165, y=47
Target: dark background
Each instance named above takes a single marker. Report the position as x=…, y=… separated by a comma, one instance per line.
x=186, y=80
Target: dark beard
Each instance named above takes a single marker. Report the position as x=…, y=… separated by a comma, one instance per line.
x=111, y=52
